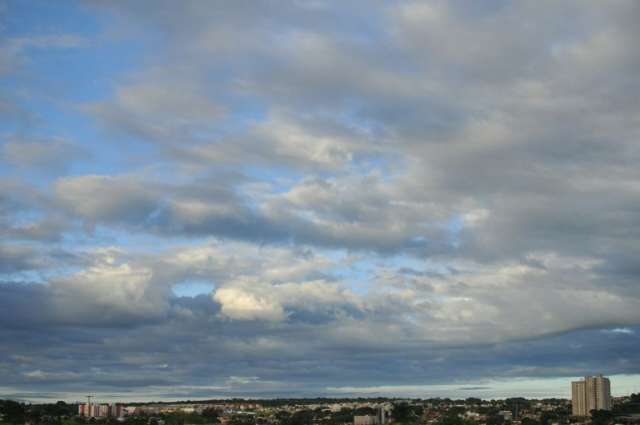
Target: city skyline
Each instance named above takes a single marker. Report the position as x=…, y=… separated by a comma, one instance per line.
x=241, y=199
x=486, y=390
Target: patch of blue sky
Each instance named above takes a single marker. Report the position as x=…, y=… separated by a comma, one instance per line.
x=26, y=277
x=26, y=217
x=385, y=166
x=113, y=154
x=417, y=265
x=42, y=276
x=87, y=237
x=455, y=225
x=452, y=227
x=63, y=80
x=79, y=68
x=193, y=288
x=79, y=73
x=28, y=16
x=404, y=262
x=359, y=272
x=352, y=117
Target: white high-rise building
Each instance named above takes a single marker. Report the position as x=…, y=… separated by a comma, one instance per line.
x=594, y=393
x=381, y=416
x=578, y=399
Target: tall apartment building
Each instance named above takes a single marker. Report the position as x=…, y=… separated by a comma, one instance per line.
x=381, y=416
x=594, y=393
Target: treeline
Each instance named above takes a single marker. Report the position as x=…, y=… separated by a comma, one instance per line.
x=277, y=402
x=630, y=407
x=13, y=412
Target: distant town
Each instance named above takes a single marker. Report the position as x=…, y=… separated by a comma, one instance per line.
x=591, y=403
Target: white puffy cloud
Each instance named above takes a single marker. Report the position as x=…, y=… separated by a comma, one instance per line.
x=240, y=304
x=250, y=299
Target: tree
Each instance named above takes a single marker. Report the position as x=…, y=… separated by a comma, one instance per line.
x=418, y=411
x=282, y=416
x=211, y=414
x=242, y=420
x=14, y=412
x=456, y=411
x=495, y=420
x=529, y=421
x=452, y=419
x=401, y=412
x=343, y=416
x=301, y=417
x=547, y=418
x=601, y=417
x=137, y=419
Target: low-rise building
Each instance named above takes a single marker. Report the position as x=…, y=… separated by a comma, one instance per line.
x=365, y=420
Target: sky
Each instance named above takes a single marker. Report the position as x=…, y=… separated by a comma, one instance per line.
x=297, y=198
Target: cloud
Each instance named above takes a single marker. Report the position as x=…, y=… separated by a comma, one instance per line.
x=623, y=331
x=42, y=155
x=239, y=304
x=420, y=193
x=109, y=291
x=165, y=110
x=105, y=198
x=18, y=258
x=316, y=212
x=250, y=299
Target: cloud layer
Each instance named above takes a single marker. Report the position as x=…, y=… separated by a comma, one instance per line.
x=232, y=199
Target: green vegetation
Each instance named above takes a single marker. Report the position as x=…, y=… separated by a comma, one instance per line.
x=12, y=412
x=601, y=417
x=632, y=406
x=452, y=417
x=182, y=418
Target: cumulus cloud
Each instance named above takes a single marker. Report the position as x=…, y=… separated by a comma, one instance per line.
x=250, y=299
x=240, y=304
